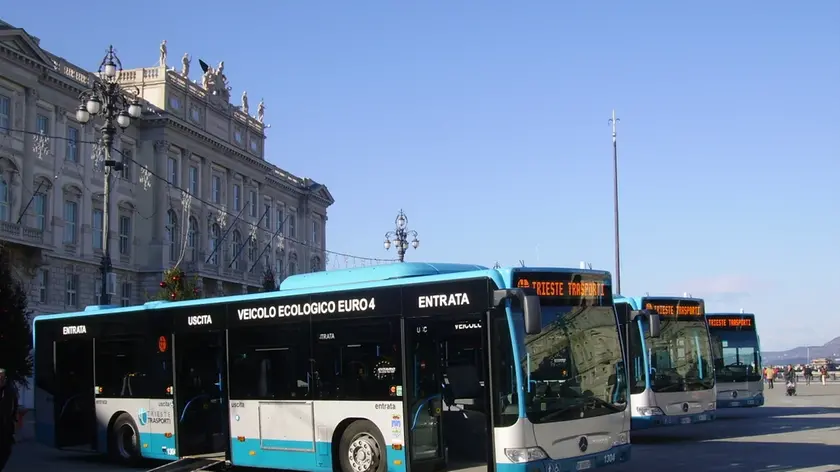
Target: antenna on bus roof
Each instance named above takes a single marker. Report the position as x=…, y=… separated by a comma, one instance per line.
x=497, y=265
x=647, y=294
x=686, y=295
x=742, y=310
x=522, y=262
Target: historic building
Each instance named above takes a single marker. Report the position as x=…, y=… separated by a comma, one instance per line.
x=192, y=164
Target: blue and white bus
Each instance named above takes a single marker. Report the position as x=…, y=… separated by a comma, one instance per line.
x=672, y=378
x=399, y=367
x=735, y=346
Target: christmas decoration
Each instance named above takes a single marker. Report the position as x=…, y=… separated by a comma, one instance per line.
x=176, y=286
x=15, y=327
x=269, y=284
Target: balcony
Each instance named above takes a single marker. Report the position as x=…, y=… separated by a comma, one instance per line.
x=221, y=271
x=20, y=234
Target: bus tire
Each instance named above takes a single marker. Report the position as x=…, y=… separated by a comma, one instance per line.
x=124, y=440
x=362, y=448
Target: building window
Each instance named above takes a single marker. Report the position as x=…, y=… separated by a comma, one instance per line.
x=268, y=216
x=195, y=114
x=292, y=265
x=172, y=171
x=125, y=294
x=316, y=233
x=72, y=151
x=278, y=267
x=71, y=218
x=279, y=221
x=5, y=213
x=237, y=197
x=236, y=248
x=43, y=125
x=5, y=113
x=71, y=286
x=215, y=238
x=292, y=227
x=252, y=197
x=128, y=158
x=125, y=235
x=194, y=181
x=252, y=250
x=97, y=228
x=39, y=204
x=216, y=189
x=237, y=136
x=255, y=146
x=192, y=239
x=172, y=235
x=43, y=283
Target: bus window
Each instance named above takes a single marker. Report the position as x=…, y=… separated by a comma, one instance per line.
x=357, y=359
x=269, y=363
x=132, y=367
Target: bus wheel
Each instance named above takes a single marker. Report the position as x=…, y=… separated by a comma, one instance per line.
x=361, y=448
x=124, y=440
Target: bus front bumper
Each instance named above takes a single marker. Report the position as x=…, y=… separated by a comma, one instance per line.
x=614, y=455
x=755, y=401
x=654, y=421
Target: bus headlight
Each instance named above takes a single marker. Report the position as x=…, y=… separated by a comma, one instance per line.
x=621, y=439
x=711, y=406
x=649, y=411
x=519, y=455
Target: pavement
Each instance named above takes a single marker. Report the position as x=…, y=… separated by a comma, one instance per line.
x=788, y=434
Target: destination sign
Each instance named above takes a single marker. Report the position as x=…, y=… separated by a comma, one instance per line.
x=731, y=322
x=567, y=288
x=674, y=307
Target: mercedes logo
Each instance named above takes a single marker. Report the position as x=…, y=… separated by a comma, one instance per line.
x=583, y=444
x=685, y=407
x=735, y=394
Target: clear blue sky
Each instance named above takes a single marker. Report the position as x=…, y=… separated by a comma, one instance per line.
x=487, y=122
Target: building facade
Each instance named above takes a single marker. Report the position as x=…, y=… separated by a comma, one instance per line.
x=196, y=190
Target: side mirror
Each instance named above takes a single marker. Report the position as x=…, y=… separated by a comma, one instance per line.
x=654, y=324
x=653, y=319
x=530, y=302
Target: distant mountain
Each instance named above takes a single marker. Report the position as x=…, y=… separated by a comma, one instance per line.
x=800, y=355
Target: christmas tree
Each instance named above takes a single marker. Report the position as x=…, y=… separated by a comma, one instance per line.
x=15, y=325
x=269, y=284
x=175, y=286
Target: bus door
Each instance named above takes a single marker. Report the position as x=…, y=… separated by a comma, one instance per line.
x=74, y=400
x=447, y=419
x=201, y=406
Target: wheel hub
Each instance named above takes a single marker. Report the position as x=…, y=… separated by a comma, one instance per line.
x=363, y=453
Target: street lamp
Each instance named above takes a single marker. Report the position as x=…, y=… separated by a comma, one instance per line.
x=400, y=236
x=107, y=100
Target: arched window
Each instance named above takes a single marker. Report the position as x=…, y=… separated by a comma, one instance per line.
x=236, y=246
x=215, y=238
x=192, y=239
x=252, y=250
x=172, y=234
x=5, y=212
x=316, y=264
x=279, y=264
x=292, y=265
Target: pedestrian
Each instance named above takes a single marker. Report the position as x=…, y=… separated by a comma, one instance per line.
x=8, y=417
x=769, y=374
x=823, y=374
x=809, y=373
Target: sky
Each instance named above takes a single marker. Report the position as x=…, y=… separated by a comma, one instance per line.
x=487, y=122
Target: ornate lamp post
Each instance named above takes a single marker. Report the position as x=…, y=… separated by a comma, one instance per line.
x=107, y=100
x=400, y=236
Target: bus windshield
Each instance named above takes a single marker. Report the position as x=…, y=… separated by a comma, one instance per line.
x=681, y=359
x=737, y=356
x=574, y=367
